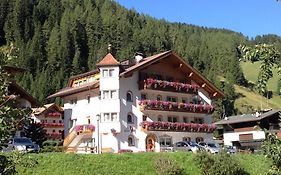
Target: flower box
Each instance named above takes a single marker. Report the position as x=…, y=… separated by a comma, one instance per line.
x=178, y=127
x=173, y=106
x=163, y=85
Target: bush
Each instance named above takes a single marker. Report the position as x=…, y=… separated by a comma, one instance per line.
x=52, y=149
x=221, y=164
x=165, y=166
x=272, y=150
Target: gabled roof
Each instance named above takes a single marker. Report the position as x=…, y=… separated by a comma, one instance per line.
x=108, y=60
x=38, y=111
x=16, y=89
x=198, y=78
x=72, y=90
x=246, y=118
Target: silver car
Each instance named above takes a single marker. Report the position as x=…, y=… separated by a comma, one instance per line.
x=22, y=144
x=186, y=146
x=210, y=147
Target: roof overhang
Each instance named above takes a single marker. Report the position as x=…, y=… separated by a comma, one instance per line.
x=73, y=90
x=214, y=92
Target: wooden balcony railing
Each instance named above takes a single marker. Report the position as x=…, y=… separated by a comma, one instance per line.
x=163, y=85
x=86, y=129
x=174, y=106
x=178, y=127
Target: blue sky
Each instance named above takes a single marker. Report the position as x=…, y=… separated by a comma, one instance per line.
x=250, y=17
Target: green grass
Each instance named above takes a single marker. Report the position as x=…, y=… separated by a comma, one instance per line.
x=251, y=72
x=250, y=99
x=140, y=163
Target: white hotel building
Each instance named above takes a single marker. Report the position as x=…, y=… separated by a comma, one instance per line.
x=142, y=104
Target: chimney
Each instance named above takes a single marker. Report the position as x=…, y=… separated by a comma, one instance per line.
x=138, y=57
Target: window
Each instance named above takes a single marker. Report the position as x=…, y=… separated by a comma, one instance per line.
x=159, y=98
x=89, y=121
x=54, y=130
x=106, y=117
x=186, y=139
x=185, y=120
x=88, y=99
x=172, y=119
x=172, y=99
x=111, y=72
x=184, y=100
x=143, y=96
x=110, y=117
x=105, y=73
x=144, y=118
x=198, y=120
x=105, y=94
x=165, y=141
x=54, y=121
x=199, y=139
x=129, y=96
x=60, y=121
x=113, y=94
x=130, y=118
x=131, y=141
x=160, y=118
x=109, y=94
x=73, y=101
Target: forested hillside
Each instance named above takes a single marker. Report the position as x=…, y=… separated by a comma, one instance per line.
x=66, y=37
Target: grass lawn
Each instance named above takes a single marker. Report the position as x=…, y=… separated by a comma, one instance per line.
x=130, y=163
x=251, y=72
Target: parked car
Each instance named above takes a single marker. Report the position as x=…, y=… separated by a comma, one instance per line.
x=22, y=144
x=210, y=147
x=186, y=146
x=230, y=149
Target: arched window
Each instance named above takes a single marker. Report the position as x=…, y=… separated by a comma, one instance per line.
x=186, y=139
x=129, y=96
x=131, y=141
x=199, y=139
x=130, y=118
x=159, y=98
x=160, y=118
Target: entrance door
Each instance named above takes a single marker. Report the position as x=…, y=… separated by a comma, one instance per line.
x=150, y=143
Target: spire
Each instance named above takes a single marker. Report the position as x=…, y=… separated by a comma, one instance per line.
x=108, y=60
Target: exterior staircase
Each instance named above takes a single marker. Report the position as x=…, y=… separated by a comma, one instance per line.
x=76, y=135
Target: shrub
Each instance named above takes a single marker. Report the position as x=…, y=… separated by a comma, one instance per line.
x=272, y=150
x=52, y=149
x=221, y=164
x=165, y=166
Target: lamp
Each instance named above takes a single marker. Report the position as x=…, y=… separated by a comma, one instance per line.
x=98, y=128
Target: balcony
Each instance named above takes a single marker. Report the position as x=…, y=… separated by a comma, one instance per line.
x=176, y=107
x=52, y=125
x=162, y=85
x=84, y=128
x=54, y=115
x=178, y=127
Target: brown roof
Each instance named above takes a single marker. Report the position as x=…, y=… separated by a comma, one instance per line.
x=198, y=78
x=108, y=60
x=16, y=89
x=72, y=90
x=38, y=111
x=246, y=118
